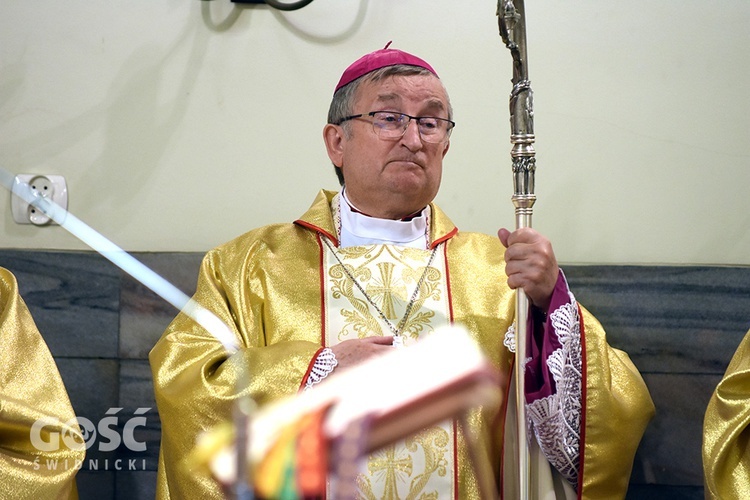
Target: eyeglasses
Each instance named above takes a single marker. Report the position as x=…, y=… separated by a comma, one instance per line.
x=390, y=125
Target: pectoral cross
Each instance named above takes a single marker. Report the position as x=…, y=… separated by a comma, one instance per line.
x=389, y=465
x=385, y=289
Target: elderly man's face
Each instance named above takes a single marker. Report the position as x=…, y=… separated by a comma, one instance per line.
x=391, y=178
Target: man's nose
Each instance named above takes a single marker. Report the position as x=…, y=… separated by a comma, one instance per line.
x=412, y=137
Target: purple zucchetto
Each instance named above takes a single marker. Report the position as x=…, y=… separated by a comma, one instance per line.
x=380, y=59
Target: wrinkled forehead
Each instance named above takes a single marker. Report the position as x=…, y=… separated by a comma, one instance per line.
x=426, y=93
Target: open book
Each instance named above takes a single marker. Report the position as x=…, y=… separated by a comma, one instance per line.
x=398, y=394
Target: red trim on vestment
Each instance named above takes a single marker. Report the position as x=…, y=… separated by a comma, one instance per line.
x=450, y=321
x=322, y=315
x=584, y=370
x=321, y=266
x=444, y=238
x=309, y=369
x=455, y=458
x=318, y=230
x=448, y=284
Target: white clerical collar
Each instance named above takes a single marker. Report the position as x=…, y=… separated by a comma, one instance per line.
x=360, y=229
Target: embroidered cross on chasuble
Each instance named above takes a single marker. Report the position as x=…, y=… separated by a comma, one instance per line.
x=421, y=466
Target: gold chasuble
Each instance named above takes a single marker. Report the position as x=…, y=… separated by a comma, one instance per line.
x=287, y=290
x=40, y=451
x=726, y=431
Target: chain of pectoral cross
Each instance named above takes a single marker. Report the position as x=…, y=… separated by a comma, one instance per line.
x=396, y=330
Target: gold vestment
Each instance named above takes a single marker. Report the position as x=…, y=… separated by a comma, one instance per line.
x=267, y=285
x=37, y=423
x=726, y=433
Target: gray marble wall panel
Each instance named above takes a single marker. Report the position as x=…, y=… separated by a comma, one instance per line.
x=670, y=451
x=74, y=299
x=143, y=315
x=670, y=319
x=77, y=300
x=680, y=325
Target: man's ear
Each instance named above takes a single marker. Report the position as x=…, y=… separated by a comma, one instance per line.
x=446, y=147
x=333, y=135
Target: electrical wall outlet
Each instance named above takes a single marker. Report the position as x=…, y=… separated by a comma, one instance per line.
x=52, y=187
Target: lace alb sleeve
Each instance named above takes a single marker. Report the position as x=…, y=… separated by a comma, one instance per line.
x=554, y=416
x=556, y=419
x=322, y=367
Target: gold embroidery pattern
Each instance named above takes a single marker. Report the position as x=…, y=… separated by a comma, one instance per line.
x=359, y=320
x=396, y=271
x=394, y=465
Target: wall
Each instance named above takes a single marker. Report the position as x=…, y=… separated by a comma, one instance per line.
x=180, y=124
x=680, y=326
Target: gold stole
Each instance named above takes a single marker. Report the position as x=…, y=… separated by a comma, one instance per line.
x=423, y=465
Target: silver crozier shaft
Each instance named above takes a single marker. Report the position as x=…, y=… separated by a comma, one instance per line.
x=512, y=24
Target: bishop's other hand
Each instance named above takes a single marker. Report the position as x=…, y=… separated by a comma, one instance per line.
x=354, y=351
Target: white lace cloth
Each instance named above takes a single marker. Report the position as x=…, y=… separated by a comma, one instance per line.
x=322, y=367
x=555, y=420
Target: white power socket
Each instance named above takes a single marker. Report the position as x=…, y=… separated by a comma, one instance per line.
x=52, y=187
